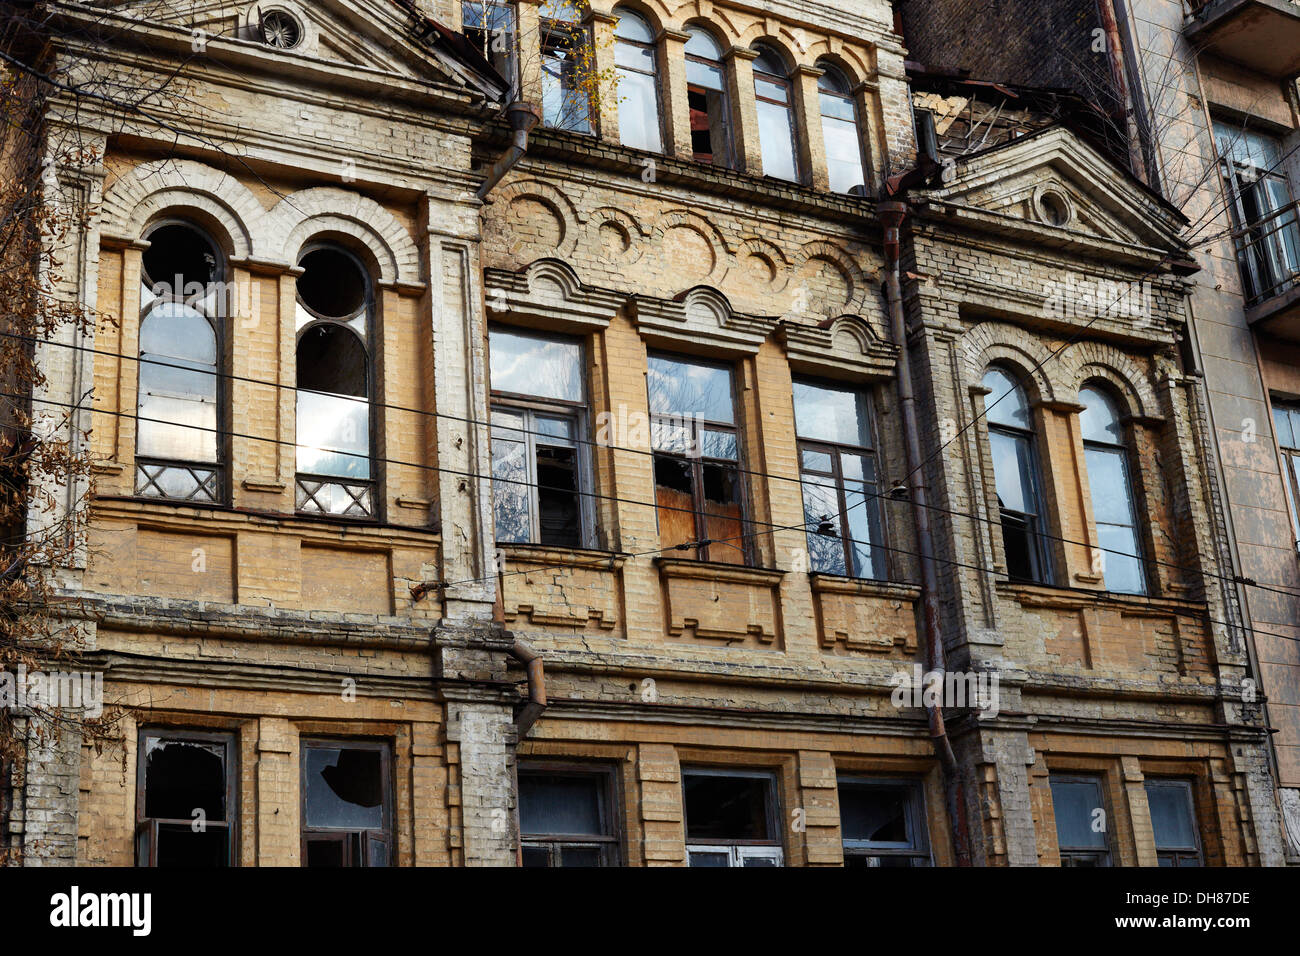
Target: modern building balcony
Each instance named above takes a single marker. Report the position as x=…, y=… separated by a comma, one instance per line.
x=1263, y=35
x=1268, y=251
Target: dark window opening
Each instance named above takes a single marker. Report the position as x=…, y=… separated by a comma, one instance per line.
x=490, y=28
x=565, y=817
x=557, y=495
x=706, y=99
x=333, y=284
x=882, y=823
x=332, y=359
x=731, y=818
x=182, y=259
x=346, y=804
x=185, y=799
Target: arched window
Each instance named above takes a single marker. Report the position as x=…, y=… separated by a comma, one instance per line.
x=776, y=127
x=335, y=306
x=638, y=87
x=840, y=132
x=178, y=443
x=1113, y=502
x=1015, y=472
x=706, y=96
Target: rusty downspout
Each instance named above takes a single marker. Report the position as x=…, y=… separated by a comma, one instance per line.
x=522, y=118
x=1115, y=51
x=892, y=215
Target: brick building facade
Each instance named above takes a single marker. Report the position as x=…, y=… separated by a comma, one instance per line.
x=641, y=415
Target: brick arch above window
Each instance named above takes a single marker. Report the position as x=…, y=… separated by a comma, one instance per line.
x=1092, y=361
x=326, y=209
x=185, y=187
x=1000, y=343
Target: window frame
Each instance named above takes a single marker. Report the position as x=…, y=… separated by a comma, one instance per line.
x=608, y=844
x=872, y=495
x=373, y=501
x=1123, y=451
x=739, y=850
x=1281, y=238
x=653, y=74
x=552, y=34
x=512, y=54
x=917, y=849
x=1034, y=523
x=697, y=462
x=788, y=105
x=1179, y=857
x=530, y=406
x=834, y=71
x=356, y=841
x=1289, y=459
x=146, y=828
x=210, y=477
x=1104, y=858
x=723, y=101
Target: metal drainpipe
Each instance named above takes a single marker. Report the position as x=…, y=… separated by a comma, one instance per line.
x=522, y=117
x=1115, y=50
x=892, y=215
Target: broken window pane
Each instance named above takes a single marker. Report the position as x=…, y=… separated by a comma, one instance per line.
x=1015, y=476
x=707, y=100
x=536, y=455
x=181, y=263
x=842, y=505
x=183, y=810
x=333, y=284
x=490, y=28
x=344, y=788
x=346, y=804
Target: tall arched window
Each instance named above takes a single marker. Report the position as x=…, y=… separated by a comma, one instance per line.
x=335, y=306
x=840, y=132
x=638, y=87
x=178, y=442
x=1113, y=502
x=776, y=127
x=706, y=96
x=1015, y=472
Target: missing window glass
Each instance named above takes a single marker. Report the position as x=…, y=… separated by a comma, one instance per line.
x=180, y=258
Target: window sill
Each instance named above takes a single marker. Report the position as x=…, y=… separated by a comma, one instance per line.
x=863, y=587
x=718, y=571
x=548, y=555
x=1055, y=596
x=584, y=149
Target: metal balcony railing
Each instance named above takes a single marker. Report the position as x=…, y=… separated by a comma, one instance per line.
x=1268, y=251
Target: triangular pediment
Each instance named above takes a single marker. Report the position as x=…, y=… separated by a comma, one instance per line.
x=377, y=35
x=1056, y=180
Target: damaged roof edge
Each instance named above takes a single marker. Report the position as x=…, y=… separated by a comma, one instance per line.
x=457, y=52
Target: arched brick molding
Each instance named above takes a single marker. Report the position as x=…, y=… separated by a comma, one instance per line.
x=1096, y=360
x=178, y=185
x=569, y=217
x=991, y=342
x=326, y=209
x=854, y=276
